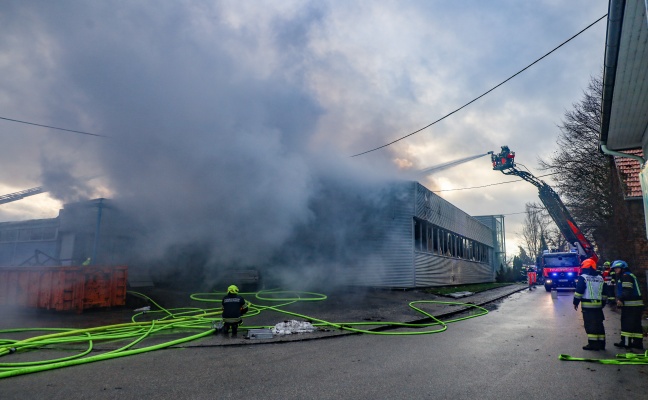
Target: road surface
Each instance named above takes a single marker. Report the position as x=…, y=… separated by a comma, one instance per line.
x=511, y=353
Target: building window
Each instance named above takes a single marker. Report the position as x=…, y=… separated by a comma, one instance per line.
x=417, y=234
x=429, y=238
x=28, y=234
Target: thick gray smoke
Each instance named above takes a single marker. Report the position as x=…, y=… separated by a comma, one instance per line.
x=218, y=111
x=211, y=144
x=58, y=181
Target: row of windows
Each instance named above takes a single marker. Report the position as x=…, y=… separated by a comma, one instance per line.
x=28, y=234
x=430, y=238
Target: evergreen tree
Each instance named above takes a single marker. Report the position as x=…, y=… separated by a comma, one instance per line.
x=500, y=277
x=517, y=270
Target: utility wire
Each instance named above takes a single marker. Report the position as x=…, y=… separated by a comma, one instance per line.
x=52, y=127
x=484, y=94
x=515, y=213
x=380, y=147
x=491, y=184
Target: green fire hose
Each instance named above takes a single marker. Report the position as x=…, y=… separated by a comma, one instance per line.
x=194, y=322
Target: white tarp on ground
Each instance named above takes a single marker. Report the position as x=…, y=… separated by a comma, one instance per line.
x=458, y=295
x=292, y=326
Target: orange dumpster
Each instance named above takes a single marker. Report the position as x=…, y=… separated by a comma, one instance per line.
x=63, y=288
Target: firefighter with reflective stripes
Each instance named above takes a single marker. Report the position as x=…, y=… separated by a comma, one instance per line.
x=590, y=294
x=234, y=306
x=628, y=297
x=610, y=282
x=532, y=277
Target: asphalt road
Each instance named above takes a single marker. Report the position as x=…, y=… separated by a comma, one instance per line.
x=511, y=353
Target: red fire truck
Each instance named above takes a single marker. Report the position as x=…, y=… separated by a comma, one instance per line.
x=559, y=269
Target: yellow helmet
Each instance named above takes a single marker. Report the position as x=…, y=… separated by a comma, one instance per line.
x=233, y=289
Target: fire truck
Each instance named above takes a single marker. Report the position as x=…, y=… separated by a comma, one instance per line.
x=559, y=269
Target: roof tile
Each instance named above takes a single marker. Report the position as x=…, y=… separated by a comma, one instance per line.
x=628, y=169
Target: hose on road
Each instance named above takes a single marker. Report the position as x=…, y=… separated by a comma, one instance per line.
x=187, y=321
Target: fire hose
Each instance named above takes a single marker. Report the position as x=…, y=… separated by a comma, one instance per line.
x=197, y=322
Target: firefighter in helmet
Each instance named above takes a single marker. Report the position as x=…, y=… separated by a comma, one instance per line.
x=608, y=278
x=590, y=294
x=234, y=306
x=628, y=297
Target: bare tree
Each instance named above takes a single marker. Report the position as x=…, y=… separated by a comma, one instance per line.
x=535, y=224
x=582, y=172
x=555, y=239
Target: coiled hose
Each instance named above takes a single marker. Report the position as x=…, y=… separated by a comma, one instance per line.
x=195, y=322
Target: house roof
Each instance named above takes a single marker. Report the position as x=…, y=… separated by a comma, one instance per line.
x=624, y=122
x=628, y=170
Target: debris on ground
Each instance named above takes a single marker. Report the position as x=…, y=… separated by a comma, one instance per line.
x=458, y=295
x=292, y=326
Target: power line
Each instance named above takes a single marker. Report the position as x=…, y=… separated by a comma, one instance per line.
x=484, y=94
x=52, y=127
x=491, y=184
x=385, y=145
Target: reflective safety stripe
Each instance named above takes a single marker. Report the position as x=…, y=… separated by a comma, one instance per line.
x=633, y=303
x=592, y=304
x=632, y=335
x=636, y=284
x=594, y=290
x=594, y=336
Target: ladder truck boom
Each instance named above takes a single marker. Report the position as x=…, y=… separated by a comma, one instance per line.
x=8, y=198
x=505, y=162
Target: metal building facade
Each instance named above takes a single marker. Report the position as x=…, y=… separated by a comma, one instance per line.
x=424, y=241
x=496, y=224
x=88, y=229
x=33, y=242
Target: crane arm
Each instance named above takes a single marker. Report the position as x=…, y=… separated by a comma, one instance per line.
x=505, y=162
x=8, y=198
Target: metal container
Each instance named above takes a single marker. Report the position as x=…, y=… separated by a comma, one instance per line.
x=68, y=288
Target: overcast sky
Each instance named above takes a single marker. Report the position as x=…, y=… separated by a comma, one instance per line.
x=214, y=111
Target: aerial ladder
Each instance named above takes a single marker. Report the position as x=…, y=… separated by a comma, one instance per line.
x=505, y=162
x=8, y=198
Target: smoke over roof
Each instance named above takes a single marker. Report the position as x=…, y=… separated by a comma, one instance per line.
x=223, y=118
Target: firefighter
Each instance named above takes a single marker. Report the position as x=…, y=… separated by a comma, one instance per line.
x=591, y=296
x=628, y=297
x=234, y=306
x=608, y=278
x=531, y=277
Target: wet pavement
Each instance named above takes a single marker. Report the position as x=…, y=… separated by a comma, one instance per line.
x=352, y=305
x=490, y=357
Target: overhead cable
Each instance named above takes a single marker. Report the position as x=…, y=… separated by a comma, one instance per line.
x=52, y=127
x=482, y=95
x=491, y=184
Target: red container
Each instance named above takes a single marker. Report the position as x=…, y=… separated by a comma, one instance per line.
x=63, y=288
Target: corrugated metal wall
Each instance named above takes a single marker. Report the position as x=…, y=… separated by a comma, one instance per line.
x=437, y=270
x=433, y=270
x=441, y=213
x=394, y=263
x=391, y=264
